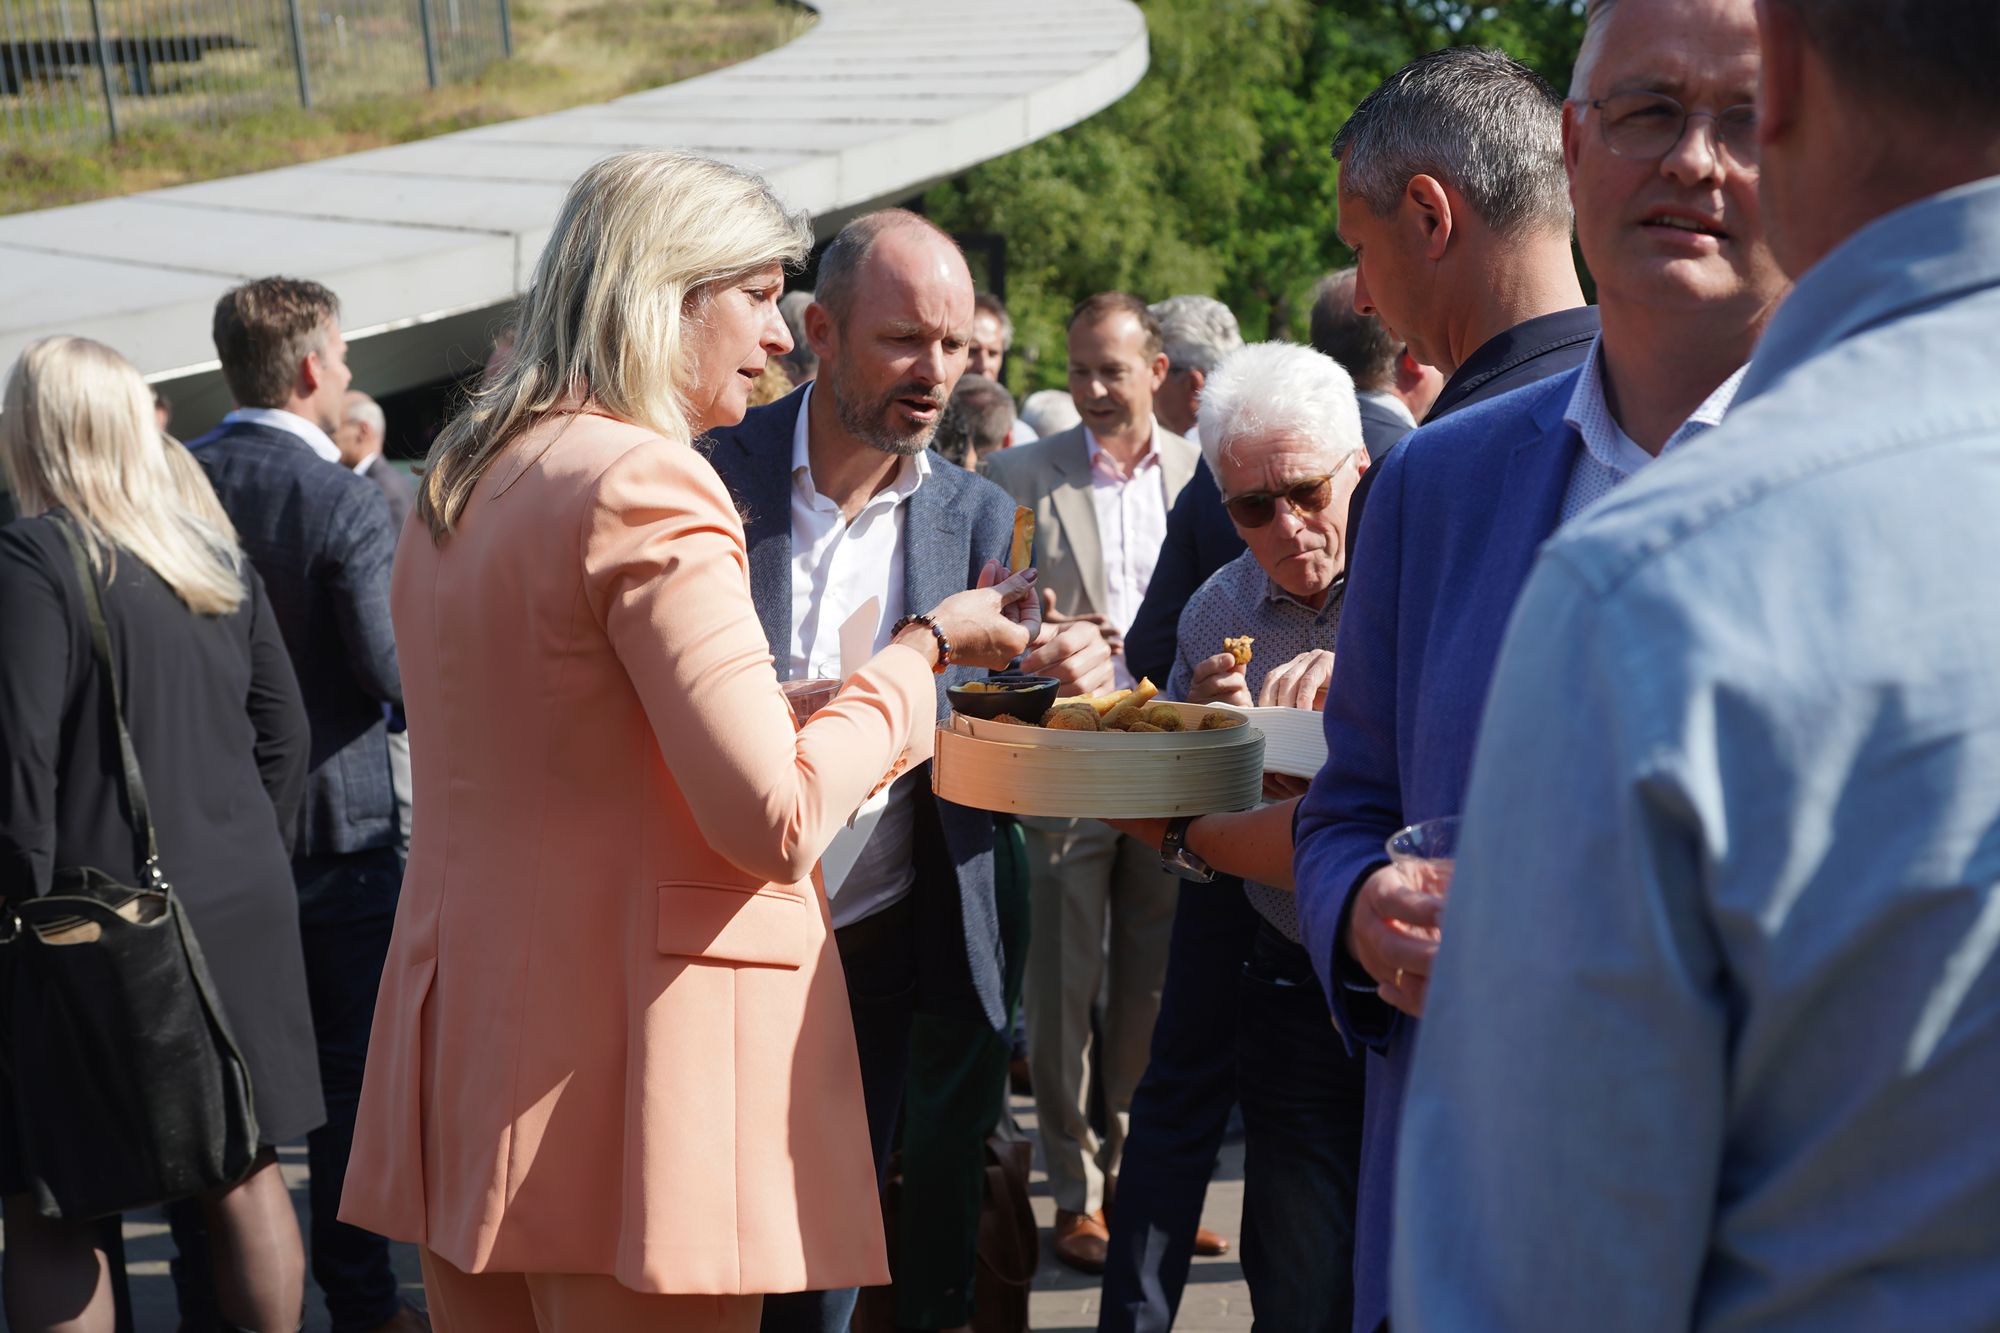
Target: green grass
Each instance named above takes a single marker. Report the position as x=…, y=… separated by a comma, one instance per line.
x=566, y=53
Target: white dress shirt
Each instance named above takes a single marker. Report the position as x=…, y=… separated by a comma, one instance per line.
x=837, y=566
x=292, y=423
x=1131, y=529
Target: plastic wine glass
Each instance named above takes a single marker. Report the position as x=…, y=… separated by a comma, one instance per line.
x=1426, y=852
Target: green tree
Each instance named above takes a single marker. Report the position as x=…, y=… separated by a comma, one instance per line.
x=1213, y=175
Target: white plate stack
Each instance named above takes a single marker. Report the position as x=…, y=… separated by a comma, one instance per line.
x=1294, y=738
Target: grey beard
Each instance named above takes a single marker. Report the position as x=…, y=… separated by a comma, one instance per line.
x=872, y=433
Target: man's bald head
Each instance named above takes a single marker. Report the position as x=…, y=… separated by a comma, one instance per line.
x=893, y=242
x=891, y=322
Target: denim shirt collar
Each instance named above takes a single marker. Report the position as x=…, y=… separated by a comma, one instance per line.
x=1922, y=253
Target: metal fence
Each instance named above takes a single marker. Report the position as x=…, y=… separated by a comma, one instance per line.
x=91, y=69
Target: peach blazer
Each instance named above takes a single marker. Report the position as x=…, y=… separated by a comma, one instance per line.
x=613, y=1034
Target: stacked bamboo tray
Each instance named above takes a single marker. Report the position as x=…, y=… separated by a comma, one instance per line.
x=1023, y=770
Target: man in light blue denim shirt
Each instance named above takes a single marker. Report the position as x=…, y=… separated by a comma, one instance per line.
x=1713, y=1039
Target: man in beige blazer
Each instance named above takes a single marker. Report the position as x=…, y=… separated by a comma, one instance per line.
x=1101, y=492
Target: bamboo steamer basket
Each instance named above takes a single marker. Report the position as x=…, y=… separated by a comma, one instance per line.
x=1098, y=774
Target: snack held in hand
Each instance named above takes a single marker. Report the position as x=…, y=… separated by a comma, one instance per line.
x=1239, y=648
x=1023, y=548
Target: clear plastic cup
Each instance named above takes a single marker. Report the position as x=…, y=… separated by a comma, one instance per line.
x=1426, y=852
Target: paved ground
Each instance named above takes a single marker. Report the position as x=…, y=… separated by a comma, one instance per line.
x=1063, y=1301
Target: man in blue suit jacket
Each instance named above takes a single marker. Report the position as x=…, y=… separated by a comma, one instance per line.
x=1461, y=507
x=841, y=466
x=1506, y=312
x=321, y=538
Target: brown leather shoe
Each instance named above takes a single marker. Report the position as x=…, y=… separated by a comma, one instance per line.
x=1207, y=1243
x=1082, y=1240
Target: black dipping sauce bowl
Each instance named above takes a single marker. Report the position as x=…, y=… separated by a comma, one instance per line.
x=1025, y=697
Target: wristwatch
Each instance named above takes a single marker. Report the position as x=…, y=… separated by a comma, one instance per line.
x=1176, y=859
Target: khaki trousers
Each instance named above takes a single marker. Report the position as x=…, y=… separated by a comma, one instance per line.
x=462, y=1302
x=1089, y=885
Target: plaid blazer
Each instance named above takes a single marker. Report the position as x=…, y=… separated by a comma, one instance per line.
x=321, y=539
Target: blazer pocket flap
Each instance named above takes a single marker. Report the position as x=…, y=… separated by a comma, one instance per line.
x=716, y=923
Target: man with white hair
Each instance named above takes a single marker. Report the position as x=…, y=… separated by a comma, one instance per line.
x=1200, y=331
x=359, y=437
x=1282, y=436
x=1662, y=168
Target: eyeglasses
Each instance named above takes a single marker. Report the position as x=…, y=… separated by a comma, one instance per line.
x=1258, y=508
x=1647, y=126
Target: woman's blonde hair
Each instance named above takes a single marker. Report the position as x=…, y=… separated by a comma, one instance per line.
x=77, y=431
x=641, y=240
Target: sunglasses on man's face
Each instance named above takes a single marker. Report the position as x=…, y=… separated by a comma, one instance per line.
x=1257, y=508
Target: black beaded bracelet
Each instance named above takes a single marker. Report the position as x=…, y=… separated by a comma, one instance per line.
x=943, y=643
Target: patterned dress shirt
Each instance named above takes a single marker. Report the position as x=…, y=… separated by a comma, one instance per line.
x=1240, y=599
x=1609, y=455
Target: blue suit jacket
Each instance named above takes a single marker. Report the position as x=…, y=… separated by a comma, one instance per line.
x=955, y=522
x=320, y=538
x=1458, y=512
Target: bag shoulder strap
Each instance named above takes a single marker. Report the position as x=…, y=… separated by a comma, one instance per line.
x=100, y=642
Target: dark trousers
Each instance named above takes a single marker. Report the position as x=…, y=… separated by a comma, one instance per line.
x=1180, y=1111
x=347, y=909
x=1302, y=1099
x=957, y=1091
x=879, y=956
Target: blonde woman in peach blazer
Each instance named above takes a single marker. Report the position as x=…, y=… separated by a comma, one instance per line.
x=612, y=1081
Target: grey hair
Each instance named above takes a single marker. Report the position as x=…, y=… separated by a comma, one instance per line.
x=1050, y=412
x=1590, y=47
x=986, y=303
x=1476, y=119
x=1198, y=330
x=360, y=407
x=1268, y=387
x=1359, y=343
x=801, y=359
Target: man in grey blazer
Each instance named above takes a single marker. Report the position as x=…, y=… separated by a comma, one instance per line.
x=844, y=507
x=1101, y=492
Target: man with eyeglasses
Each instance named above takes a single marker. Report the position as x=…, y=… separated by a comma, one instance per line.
x=1754, y=899
x=1663, y=178
x=1102, y=910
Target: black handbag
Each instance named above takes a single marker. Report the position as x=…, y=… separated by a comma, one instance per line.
x=126, y=1086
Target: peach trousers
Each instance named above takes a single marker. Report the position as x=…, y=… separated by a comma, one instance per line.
x=462, y=1302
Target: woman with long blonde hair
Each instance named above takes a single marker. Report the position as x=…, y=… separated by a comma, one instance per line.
x=612, y=1082
x=220, y=736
